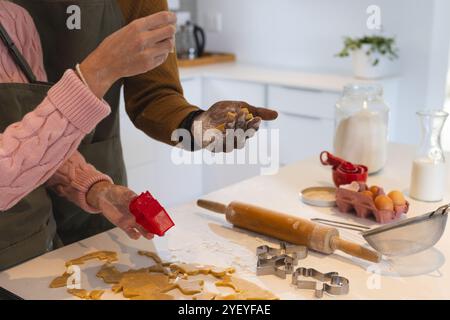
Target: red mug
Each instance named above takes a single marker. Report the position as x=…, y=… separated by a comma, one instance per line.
x=344, y=172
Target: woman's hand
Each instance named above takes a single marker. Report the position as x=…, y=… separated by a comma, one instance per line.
x=113, y=201
x=139, y=47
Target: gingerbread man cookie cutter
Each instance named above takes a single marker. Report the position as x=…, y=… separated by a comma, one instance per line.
x=279, y=262
x=332, y=283
x=279, y=266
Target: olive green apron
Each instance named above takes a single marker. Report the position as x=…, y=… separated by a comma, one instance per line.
x=63, y=49
x=27, y=230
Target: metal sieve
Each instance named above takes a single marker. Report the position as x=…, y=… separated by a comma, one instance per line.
x=404, y=237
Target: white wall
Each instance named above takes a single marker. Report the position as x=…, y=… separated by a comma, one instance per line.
x=305, y=34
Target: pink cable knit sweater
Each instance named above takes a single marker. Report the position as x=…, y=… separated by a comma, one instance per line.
x=42, y=148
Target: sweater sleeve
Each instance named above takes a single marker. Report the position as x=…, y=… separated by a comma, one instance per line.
x=154, y=100
x=74, y=179
x=32, y=150
x=60, y=113
x=20, y=27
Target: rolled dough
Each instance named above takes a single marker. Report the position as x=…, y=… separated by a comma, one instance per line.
x=86, y=295
x=108, y=256
x=205, y=296
x=153, y=283
x=152, y=255
x=143, y=284
x=188, y=287
x=195, y=269
x=109, y=274
x=61, y=281
x=245, y=290
x=158, y=296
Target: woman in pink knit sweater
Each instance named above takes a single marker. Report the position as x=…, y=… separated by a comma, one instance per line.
x=42, y=148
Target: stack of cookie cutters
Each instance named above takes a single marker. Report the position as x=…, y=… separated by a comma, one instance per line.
x=281, y=262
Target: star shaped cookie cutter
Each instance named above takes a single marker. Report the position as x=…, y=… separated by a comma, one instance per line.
x=332, y=283
x=279, y=262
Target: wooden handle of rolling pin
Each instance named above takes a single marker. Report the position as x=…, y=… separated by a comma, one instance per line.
x=288, y=228
x=212, y=206
x=355, y=249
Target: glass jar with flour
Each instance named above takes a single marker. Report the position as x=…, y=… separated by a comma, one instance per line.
x=362, y=117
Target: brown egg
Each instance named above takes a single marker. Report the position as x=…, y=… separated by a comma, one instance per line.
x=374, y=190
x=383, y=202
x=367, y=193
x=397, y=197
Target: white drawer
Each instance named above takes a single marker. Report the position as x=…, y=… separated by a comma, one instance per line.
x=215, y=90
x=304, y=102
x=302, y=137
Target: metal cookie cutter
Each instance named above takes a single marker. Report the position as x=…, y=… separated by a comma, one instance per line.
x=296, y=252
x=332, y=283
x=279, y=262
x=278, y=265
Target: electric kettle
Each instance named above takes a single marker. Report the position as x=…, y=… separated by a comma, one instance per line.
x=190, y=41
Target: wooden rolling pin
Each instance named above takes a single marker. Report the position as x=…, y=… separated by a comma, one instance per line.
x=288, y=228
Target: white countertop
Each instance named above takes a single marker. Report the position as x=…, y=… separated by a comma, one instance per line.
x=204, y=237
x=276, y=76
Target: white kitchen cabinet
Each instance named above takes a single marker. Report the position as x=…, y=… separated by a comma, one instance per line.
x=149, y=164
x=305, y=123
x=215, y=90
x=217, y=176
x=138, y=148
x=171, y=184
x=302, y=137
x=303, y=102
x=192, y=90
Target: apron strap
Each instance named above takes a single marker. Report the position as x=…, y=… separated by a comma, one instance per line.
x=18, y=57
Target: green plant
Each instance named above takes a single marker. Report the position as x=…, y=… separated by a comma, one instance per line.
x=377, y=44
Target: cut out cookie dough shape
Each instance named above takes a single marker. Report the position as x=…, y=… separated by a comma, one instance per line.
x=152, y=255
x=157, y=296
x=108, y=256
x=187, y=287
x=86, y=295
x=109, y=274
x=144, y=284
x=245, y=290
x=205, y=296
x=160, y=266
x=61, y=281
x=196, y=269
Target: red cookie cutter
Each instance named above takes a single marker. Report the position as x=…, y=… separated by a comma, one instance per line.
x=344, y=172
x=150, y=214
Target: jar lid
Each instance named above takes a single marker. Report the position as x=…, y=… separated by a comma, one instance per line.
x=319, y=196
x=363, y=90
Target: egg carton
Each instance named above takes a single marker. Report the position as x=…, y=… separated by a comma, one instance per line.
x=351, y=201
